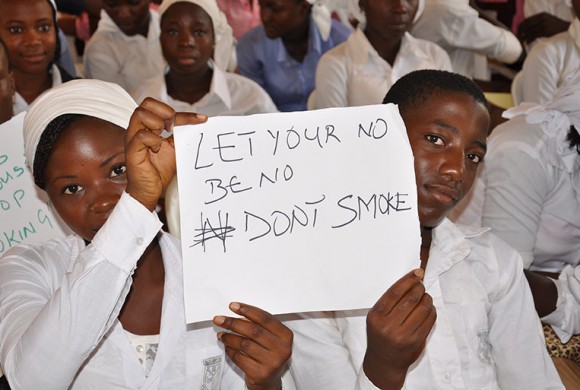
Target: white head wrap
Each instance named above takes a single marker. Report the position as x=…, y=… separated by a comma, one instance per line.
x=53, y=4
x=556, y=116
x=96, y=98
x=322, y=17
x=359, y=14
x=224, y=54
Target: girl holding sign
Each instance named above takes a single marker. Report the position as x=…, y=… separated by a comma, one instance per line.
x=104, y=307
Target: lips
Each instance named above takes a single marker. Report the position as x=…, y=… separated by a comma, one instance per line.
x=444, y=194
x=34, y=57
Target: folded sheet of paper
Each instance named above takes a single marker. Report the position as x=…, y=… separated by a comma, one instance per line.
x=25, y=215
x=296, y=212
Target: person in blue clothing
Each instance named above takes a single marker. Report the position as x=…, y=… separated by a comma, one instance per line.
x=282, y=54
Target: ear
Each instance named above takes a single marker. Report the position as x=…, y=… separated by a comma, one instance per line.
x=361, y=4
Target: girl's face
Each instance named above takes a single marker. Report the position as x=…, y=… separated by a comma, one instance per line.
x=131, y=16
x=390, y=18
x=282, y=17
x=85, y=174
x=448, y=137
x=187, y=37
x=6, y=86
x=27, y=28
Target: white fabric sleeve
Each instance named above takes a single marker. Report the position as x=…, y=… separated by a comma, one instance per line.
x=100, y=62
x=331, y=82
x=513, y=323
x=539, y=74
x=565, y=320
x=470, y=32
x=513, y=202
x=363, y=382
x=51, y=319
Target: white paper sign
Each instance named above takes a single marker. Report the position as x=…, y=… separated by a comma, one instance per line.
x=25, y=215
x=296, y=212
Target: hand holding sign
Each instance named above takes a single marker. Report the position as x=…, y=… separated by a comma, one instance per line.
x=296, y=211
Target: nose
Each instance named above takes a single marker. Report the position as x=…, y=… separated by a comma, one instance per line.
x=186, y=39
x=32, y=37
x=453, y=166
x=104, y=198
x=265, y=15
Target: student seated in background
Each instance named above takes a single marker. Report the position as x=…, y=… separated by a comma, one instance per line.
x=468, y=38
x=103, y=307
x=6, y=85
x=549, y=63
x=30, y=33
x=125, y=48
x=465, y=319
x=281, y=55
x=361, y=70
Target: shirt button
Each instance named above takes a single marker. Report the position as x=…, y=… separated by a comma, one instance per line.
x=139, y=348
x=140, y=241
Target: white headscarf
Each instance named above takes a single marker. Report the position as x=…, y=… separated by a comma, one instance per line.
x=224, y=52
x=96, y=98
x=556, y=116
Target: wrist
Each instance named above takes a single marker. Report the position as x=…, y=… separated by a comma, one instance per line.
x=384, y=376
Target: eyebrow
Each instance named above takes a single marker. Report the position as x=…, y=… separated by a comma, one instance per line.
x=107, y=161
x=455, y=130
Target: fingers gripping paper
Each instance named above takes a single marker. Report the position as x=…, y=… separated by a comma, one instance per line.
x=296, y=212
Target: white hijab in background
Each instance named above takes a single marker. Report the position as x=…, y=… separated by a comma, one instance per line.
x=224, y=54
x=96, y=98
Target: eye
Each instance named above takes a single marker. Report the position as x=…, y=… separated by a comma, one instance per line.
x=118, y=170
x=435, y=140
x=71, y=189
x=475, y=158
x=199, y=33
x=44, y=28
x=15, y=30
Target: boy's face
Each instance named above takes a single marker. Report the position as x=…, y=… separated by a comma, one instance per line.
x=282, y=17
x=131, y=16
x=187, y=38
x=448, y=137
x=85, y=174
x=389, y=18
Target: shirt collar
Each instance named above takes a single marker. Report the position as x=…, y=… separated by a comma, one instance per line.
x=362, y=50
x=449, y=247
x=219, y=85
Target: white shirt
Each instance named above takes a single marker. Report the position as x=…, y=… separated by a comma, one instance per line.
x=467, y=38
x=229, y=94
x=486, y=335
x=538, y=212
x=20, y=105
x=59, y=303
x=353, y=73
x=550, y=62
x=110, y=55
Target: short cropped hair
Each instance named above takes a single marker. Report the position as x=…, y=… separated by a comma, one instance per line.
x=417, y=87
x=49, y=136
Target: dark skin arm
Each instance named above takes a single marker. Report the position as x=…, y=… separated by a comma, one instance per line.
x=397, y=330
x=258, y=344
x=541, y=25
x=543, y=290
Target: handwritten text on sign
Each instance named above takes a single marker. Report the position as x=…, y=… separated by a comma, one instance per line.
x=24, y=213
x=296, y=211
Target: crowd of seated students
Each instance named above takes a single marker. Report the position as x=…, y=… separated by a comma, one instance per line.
x=164, y=59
